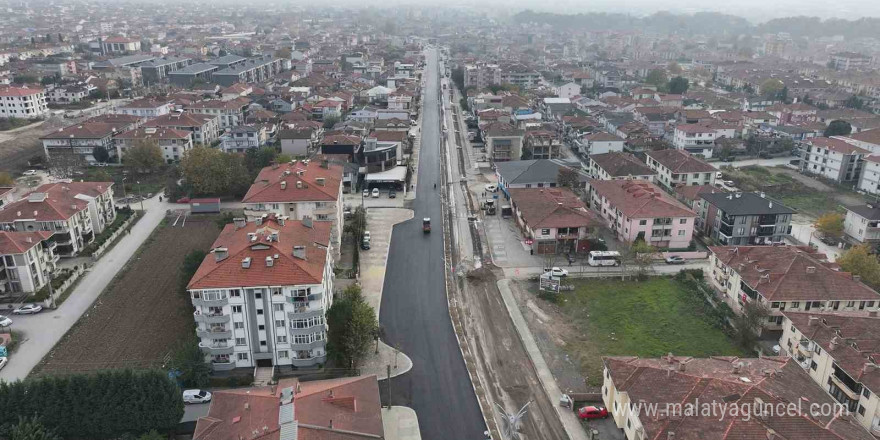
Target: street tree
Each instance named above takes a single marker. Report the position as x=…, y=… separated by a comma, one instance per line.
x=144, y=157
x=830, y=224
x=258, y=158
x=678, y=85
x=31, y=429
x=674, y=68
x=212, y=172
x=838, y=127
x=770, y=88
x=641, y=255
x=189, y=362
x=859, y=260
x=656, y=77
x=352, y=328
x=568, y=178
x=100, y=154
x=747, y=324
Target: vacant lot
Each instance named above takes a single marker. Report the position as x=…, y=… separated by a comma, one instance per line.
x=630, y=318
x=142, y=315
x=802, y=193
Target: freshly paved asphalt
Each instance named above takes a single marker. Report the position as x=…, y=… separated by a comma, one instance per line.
x=414, y=312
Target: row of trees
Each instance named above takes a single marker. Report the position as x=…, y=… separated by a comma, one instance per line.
x=678, y=85
x=353, y=328
x=104, y=405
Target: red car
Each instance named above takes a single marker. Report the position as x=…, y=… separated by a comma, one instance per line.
x=592, y=412
x=183, y=200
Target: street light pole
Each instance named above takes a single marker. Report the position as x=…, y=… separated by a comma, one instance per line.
x=139, y=194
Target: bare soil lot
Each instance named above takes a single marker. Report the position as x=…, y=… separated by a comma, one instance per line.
x=142, y=315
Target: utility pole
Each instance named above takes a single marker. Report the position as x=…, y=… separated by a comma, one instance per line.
x=389, y=385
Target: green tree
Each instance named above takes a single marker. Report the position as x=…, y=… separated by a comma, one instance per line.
x=854, y=102
x=747, y=324
x=283, y=53
x=838, y=127
x=329, y=122
x=153, y=435
x=678, y=85
x=352, y=328
x=770, y=88
x=859, y=260
x=830, y=224
x=100, y=154
x=6, y=179
x=144, y=157
x=569, y=178
x=656, y=77
x=189, y=361
x=674, y=68
x=283, y=158
x=212, y=172
x=641, y=255
x=258, y=158
x=31, y=429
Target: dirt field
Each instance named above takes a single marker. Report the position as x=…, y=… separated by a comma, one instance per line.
x=141, y=316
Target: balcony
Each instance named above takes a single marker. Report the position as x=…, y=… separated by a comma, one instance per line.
x=872, y=233
x=805, y=349
x=221, y=333
x=853, y=395
x=308, y=362
x=216, y=348
x=222, y=366
x=308, y=346
x=210, y=302
x=305, y=330
x=218, y=318
x=305, y=312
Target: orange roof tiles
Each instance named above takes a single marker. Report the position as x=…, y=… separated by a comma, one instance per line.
x=640, y=199
x=301, y=183
x=60, y=202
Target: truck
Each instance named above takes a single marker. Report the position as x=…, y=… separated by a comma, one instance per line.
x=506, y=211
x=489, y=206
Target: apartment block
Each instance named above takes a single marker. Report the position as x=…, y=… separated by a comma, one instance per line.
x=262, y=294
x=542, y=144
x=619, y=166
x=862, y=223
x=694, y=139
x=26, y=261
x=22, y=102
x=833, y=159
x=745, y=218
x=173, y=143
x=677, y=167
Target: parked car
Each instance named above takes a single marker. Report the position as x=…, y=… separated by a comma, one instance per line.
x=392, y=194
x=365, y=244
x=5, y=321
x=183, y=200
x=367, y=235
x=28, y=309
x=30, y=172
x=196, y=396
x=592, y=412
x=674, y=259
x=366, y=192
x=3, y=361
x=558, y=272
x=491, y=187
x=830, y=241
x=375, y=193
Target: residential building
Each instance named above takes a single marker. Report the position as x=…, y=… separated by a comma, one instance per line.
x=73, y=212
x=205, y=128
x=639, y=210
x=392, y=124
x=867, y=139
x=555, y=219
x=676, y=167
x=6, y=195
x=27, y=259
x=342, y=144
x=145, y=108
x=262, y=294
x=503, y=142
x=481, y=76
x=837, y=351
x=299, y=189
x=192, y=74
x=24, y=102
x=833, y=159
x=173, y=143
x=619, y=166
x=862, y=223
x=232, y=112
x=535, y=173
x=710, y=388
x=567, y=90
x=745, y=218
x=793, y=278
x=542, y=144
x=158, y=70
x=241, y=138
x=69, y=94
x=694, y=139
x=379, y=154
x=326, y=109
x=869, y=181
x=344, y=408
x=298, y=142
x=248, y=71
x=115, y=45
x=521, y=76
x=602, y=142
x=81, y=140
x=849, y=61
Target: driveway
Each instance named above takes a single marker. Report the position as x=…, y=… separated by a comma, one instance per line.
x=44, y=330
x=760, y=162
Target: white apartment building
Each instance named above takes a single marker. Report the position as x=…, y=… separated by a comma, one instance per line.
x=862, y=223
x=72, y=212
x=244, y=137
x=231, y=112
x=299, y=189
x=145, y=108
x=833, y=159
x=695, y=139
x=262, y=295
x=173, y=143
x=22, y=102
x=786, y=278
x=677, y=167
x=619, y=166
x=602, y=142
x=836, y=350
x=26, y=261
x=481, y=76
x=869, y=181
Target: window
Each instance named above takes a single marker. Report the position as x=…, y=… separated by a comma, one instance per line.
x=240, y=341
x=261, y=327
x=262, y=343
x=279, y=323
x=236, y=309
x=258, y=295
x=283, y=354
x=278, y=307
x=794, y=305
x=545, y=232
x=682, y=221
x=259, y=311
x=813, y=365
x=281, y=339
x=866, y=392
x=242, y=356
x=238, y=325
x=681, y=232
x=861, y=410
x=235, y=293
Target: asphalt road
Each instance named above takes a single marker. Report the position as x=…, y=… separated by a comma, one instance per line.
x=414, y=312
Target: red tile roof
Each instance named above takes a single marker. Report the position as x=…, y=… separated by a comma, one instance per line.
x=552, y=208
x=640, y=199
x=792, y=273
x=267, y=186
x=694, y=128
x=60, y=201
x=154, y=133
x=14, y=91
x=12, y=242
x=678, y=161
x=836, y=145
x=286, y=270
x=180, y=119
x=603, y=137
x=86, y=130
x=867, y=136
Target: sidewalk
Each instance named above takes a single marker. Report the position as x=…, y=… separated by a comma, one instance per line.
x=378, y=363
x=42, y=331
x=380, y=223
x=568, y=418
x=400, y=423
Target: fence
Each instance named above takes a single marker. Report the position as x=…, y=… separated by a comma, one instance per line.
x=112, y=238
x=71, y=280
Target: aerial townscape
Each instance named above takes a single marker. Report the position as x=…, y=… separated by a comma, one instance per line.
x=287, y=220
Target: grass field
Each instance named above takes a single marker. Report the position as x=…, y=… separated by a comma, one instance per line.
x=632, y=318
x=786, y=189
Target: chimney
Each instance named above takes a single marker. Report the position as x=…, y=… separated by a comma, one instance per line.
x=670, y=435
x=811, y=269
x=331, y=423
x=320, y=181
x=299, y=252
x=307, y=221
x=835, y=341
x=283, y=184
x=29, y=239
x=681, y=366
x=246, y=263
x=299, y=184
x=813, y=320
x=247, y=406
x=281, y=220
x=239, y=222
x=771, y=205
x=771, y=434
x=857, y=277
x=220, y=254
x=270, y=261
